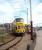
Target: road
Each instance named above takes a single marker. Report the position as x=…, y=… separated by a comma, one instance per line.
x=39, y=40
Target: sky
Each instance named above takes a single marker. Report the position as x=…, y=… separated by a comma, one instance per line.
x=11, y=9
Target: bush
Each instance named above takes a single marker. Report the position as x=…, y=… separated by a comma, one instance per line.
x=1, y=33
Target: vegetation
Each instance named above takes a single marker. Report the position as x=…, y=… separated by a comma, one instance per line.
x=2, y=35
x=13, y=30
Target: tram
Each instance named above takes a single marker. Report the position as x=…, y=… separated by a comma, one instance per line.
x=19, y=26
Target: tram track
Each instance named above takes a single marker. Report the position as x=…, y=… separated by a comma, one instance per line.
x=7, y=42
x=11, y=43
x=15, y=43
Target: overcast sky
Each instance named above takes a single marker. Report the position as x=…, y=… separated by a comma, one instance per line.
x=11, y=8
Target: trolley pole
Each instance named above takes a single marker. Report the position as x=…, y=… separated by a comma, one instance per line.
x=31, y=32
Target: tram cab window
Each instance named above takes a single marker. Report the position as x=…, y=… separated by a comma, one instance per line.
x=19, y=20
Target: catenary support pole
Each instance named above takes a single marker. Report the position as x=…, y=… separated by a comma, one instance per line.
x=31, y=20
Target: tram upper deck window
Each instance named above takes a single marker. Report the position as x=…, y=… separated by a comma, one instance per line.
x=19, y=20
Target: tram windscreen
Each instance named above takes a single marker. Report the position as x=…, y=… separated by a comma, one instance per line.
x=19, y=20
